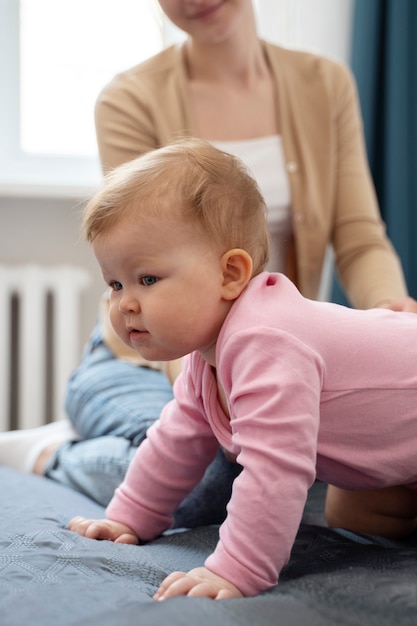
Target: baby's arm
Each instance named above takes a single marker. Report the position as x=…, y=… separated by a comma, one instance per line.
x=103, y=529
x=198, y=582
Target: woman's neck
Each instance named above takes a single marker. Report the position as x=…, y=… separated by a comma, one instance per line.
x=238, y=60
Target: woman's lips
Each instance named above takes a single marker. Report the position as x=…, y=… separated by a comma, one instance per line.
x=206, y=11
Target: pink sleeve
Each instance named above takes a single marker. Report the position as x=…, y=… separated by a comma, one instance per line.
x=275, y=418
x=166, y=466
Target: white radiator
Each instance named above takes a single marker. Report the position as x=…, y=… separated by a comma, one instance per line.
x=39, y=341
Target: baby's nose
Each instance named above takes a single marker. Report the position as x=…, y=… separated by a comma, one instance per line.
x=129, y=304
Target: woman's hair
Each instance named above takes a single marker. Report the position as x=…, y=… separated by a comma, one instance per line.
x=209, y=188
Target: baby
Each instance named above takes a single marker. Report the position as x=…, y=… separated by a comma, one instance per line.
x=295, y=390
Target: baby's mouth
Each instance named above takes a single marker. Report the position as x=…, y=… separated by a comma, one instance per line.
x=136, y=333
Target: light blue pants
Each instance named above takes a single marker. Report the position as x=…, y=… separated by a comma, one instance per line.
x=111, y=404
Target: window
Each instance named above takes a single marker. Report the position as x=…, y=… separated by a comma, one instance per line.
x=68, y=51
x=57, y=57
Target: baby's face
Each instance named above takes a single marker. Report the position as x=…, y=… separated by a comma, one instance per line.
x=166, y=281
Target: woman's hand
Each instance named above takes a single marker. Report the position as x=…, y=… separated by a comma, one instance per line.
x=198, y=582
x=103, y=529
x=405, y=305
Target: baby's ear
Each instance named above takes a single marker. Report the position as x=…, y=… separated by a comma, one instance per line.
x=237, y=271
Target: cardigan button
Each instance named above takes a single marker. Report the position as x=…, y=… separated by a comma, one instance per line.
x=292, y=167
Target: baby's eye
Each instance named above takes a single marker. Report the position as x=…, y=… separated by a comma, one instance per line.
x=115, y=285
x=148, y=281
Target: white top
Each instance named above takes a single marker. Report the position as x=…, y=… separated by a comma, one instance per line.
x=264, y=157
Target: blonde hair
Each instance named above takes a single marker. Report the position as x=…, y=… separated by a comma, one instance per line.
x=209, y=188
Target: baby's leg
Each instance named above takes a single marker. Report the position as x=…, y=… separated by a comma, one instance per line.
x=390, y=512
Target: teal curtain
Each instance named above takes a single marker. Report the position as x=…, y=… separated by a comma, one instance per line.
x=384, y=62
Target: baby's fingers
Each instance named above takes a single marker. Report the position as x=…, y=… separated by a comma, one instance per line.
x=169, y=586
x=227, y=594
x=91, y=528
x=127, y=538
x=198, y=582
x=181, y=584
x=103, y=529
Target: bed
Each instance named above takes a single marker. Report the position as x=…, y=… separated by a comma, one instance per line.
x=50, y=576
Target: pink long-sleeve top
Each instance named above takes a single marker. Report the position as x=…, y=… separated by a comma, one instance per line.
x=314, y=390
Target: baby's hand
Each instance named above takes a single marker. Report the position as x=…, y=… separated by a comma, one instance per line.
x=103, y=529
x=199, y=582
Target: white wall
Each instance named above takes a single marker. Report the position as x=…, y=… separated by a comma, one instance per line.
x=322, y=26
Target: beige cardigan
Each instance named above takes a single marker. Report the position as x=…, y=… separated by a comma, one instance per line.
x=333, y=198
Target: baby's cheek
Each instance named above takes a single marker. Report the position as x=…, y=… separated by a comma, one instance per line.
x=117, y=322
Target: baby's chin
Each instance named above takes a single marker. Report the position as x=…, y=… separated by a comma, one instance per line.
x=156, y=353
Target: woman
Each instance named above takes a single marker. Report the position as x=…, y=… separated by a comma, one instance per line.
x=294, y=118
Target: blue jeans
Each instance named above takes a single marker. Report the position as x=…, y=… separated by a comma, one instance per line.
x=111, y=404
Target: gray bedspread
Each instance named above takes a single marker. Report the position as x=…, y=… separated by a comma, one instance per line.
x=50, y=576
